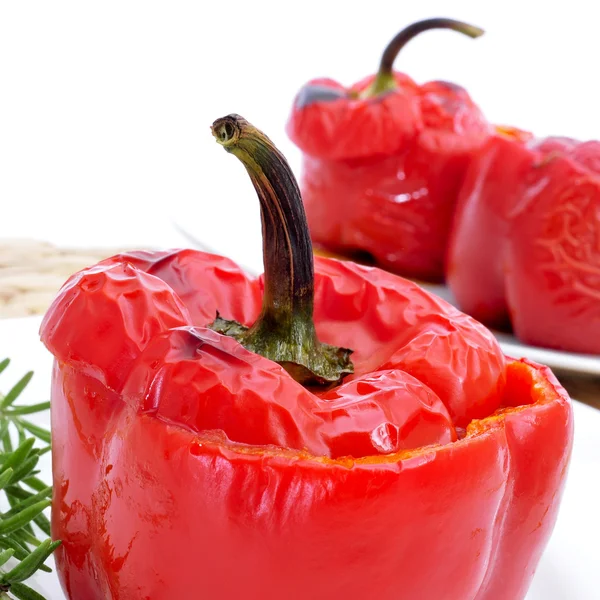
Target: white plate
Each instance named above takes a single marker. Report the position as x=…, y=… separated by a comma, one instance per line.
x=568, y=569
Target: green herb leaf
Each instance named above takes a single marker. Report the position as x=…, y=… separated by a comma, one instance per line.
x=28, y=501
x=18, y=492
x=4, y=428
x=24, y=592
x=14, y=392
x=20, y=551
x=9, y=543
x=28, y=566
x=6, y=441
x=34, y=483
x=25, y=468
x=5, y=555
x=19, y=455
x=26, y=538
x=39, y=432
x=27, y=410
x=41, y=520
x=17, y=521
x=5, y=478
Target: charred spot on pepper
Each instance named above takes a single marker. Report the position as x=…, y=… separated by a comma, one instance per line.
x=313, y=94
x=363, y=257
x=450, y=86
x=357, y=255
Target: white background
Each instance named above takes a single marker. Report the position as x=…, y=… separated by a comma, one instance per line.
x=105, y=110
x=105, y=107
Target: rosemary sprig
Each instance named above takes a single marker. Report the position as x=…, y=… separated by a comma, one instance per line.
x=21, y=552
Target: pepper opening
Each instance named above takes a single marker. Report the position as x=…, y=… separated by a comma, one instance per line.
x=384, y=80
x=284, y=332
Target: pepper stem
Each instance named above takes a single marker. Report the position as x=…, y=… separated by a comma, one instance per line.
x=384, y=79
x=284, y=331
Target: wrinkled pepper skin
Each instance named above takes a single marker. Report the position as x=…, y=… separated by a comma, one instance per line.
x=525, y=248
x=186, y=466
x=381, y=175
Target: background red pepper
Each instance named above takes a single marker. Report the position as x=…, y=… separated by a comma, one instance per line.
x=524, y=250
x=384, y=161
x=185, y=464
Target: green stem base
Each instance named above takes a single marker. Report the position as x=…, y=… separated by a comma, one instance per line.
x=294, y=346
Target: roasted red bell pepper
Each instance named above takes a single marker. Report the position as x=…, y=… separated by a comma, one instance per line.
x=526, y=245
x=414, y=461
x=384, y=161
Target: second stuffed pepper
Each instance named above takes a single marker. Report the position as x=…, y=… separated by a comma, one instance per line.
x=384, y=161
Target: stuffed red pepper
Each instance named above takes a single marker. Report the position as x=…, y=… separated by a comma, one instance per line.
x=324, y=431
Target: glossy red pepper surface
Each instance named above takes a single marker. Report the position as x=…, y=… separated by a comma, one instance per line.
x=186, y=466
x=381, y=173
x=525, y=248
